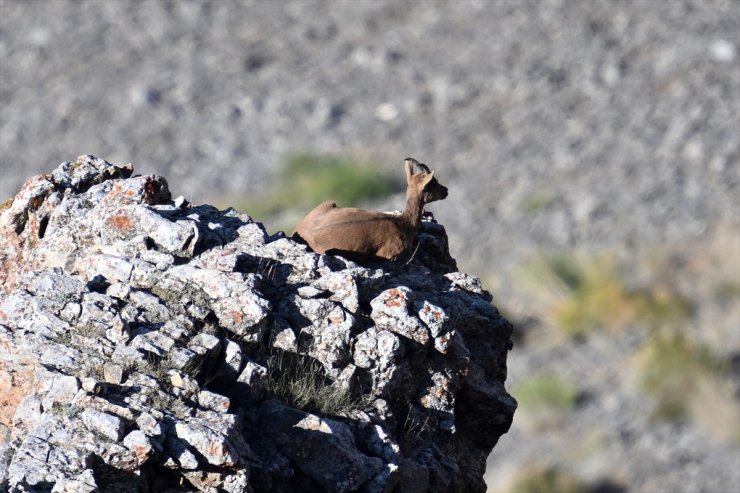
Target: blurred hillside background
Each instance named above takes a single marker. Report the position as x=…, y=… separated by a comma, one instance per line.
x=591, y=148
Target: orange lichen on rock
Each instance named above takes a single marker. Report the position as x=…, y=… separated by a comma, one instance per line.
x=15, y=384
x=121, y=223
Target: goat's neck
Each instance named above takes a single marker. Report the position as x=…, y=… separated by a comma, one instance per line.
x=413, y=212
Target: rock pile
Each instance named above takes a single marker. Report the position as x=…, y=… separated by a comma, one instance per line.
x=151, y=345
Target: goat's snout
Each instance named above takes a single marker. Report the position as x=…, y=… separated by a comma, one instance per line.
x=439, y=190
x=434, y=192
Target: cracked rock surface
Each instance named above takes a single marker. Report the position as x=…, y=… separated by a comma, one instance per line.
x=151, y=345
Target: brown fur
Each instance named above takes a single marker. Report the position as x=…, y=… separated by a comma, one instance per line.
x=361, y=235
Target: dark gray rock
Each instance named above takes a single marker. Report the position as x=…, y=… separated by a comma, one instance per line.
x=322, y=448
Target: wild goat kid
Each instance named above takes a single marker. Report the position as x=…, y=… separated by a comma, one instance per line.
x=362, y=235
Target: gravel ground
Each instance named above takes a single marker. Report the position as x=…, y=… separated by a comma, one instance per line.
x=597, y=125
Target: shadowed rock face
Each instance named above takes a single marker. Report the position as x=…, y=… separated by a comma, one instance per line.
x=142, y=339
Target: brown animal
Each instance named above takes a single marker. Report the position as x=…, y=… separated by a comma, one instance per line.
x=362, y=235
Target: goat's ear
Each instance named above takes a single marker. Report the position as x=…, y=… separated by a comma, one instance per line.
x=409, y=165
x=428, y=178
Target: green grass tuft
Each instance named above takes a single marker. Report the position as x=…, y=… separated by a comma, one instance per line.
x=300, y=381
x=546, y=392
x=537, y=202
x=306, y=180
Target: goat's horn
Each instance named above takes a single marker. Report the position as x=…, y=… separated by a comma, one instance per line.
x=409, y=167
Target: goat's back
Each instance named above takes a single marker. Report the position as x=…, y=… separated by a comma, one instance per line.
x=354, y=233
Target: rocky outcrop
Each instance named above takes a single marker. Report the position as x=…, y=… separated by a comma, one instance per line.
x=150, y=345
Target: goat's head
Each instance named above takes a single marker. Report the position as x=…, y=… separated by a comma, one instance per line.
x=422, y=183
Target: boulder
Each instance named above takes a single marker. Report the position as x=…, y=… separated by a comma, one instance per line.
x=147, y=343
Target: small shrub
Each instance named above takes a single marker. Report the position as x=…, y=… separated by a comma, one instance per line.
x=597, y=298
x=153, y=365
x=660, y=307
x=546, y=392
x=585, y=294
x=67, y=410
x=94, y=369
x=671, y=369
x=159, y=399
